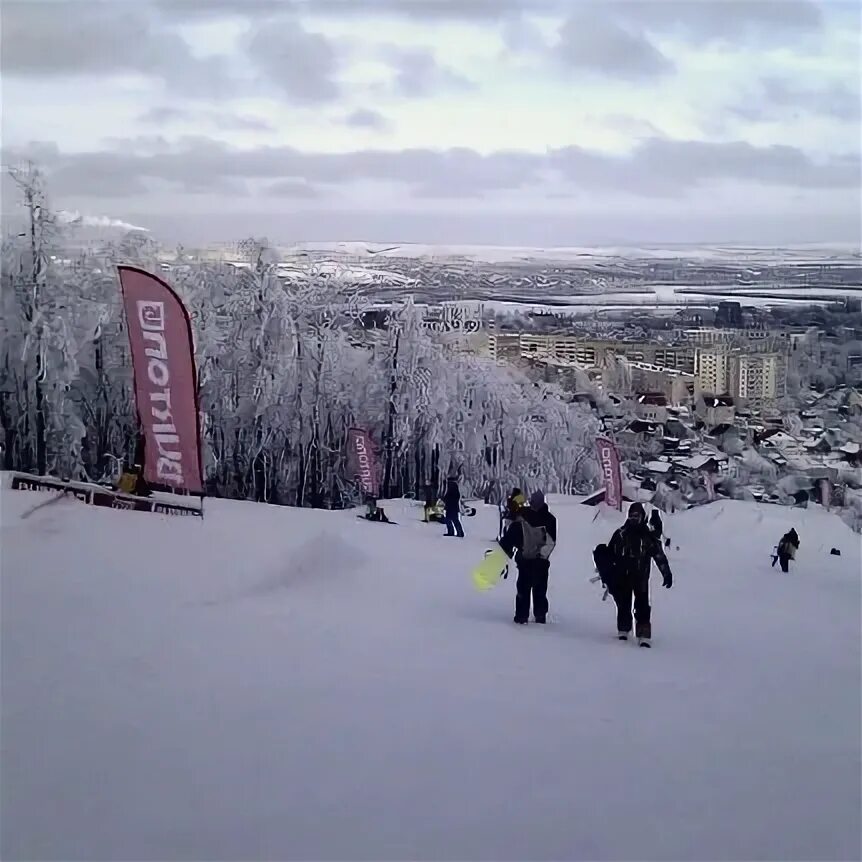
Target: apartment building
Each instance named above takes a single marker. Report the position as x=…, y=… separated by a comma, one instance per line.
x=589, y=352
x=678, y=358
x=678, y=387
x=712, y=370
x=707, y=336
x=504, y=346
x=754, y=377
x=759, y=377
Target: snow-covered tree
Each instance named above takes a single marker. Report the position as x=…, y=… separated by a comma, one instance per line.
x=285, y=368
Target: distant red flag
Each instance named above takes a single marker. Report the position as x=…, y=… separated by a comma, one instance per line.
x=160, y=334
x=610, y=463
x=362, y=461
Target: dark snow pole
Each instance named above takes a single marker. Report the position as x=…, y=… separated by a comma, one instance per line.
x=390, y=420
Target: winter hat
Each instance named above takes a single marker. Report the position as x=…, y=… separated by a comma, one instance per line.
x=537, y=500
x=637, y=509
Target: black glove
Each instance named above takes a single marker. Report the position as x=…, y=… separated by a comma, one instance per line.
x=667, y=580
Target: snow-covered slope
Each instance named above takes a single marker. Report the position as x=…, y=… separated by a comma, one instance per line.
x=274, y=683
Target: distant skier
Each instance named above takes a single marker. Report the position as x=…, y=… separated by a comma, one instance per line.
x=655, y=524
x=786, y=550
x=373, y=512
x=514, y=503
x=530, y=539
x=132, y=481
x=633, y=548
x=452, y=503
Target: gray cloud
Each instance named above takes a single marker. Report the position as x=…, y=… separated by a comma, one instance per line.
x=227, y=121
x=475, y=10
x=656, y=168
x=661, y=167
x=302, y=65
x=193, y=10
x=712, y=20
x=364, y=118
x=597, y=42
x=418, y=73
x=778, y=98
x=297, y=189
x=87, y=37
x=521, y=34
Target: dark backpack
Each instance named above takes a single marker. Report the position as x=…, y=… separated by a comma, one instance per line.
x=537, y=543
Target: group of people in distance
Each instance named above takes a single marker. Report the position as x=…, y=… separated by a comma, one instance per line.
x=528, y=534
x=448, y=509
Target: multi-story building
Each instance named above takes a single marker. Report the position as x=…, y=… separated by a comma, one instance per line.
x=504, y=346
x=678, y=387
x=759, y=377
x=677, y=357
x=712, y=370
x=590, y=352
x=708, y=336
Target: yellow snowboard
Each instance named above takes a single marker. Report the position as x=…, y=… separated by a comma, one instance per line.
x=488, y=572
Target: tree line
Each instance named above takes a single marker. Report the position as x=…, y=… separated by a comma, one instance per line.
x=286, y=367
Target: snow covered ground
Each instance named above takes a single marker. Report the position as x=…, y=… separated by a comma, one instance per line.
x=847, y=253
x=276, y=683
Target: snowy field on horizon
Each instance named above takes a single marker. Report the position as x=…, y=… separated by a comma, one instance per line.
x=292, y=684
x=802, y=253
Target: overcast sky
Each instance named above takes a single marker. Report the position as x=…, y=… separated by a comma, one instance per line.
x=470, y=121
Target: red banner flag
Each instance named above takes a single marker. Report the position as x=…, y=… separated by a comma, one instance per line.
x=160, y=334
x=362, y=461
x=610, y=463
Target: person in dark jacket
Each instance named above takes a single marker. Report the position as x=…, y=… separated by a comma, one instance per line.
x=655, y=523
x=786, y=549
x=530, y=539
x=633, y=547
x=452, y=502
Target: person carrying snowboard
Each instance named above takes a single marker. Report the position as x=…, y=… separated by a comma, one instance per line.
x=632, y=549
x=452, y=503
x=530, y=539
x=786, y=550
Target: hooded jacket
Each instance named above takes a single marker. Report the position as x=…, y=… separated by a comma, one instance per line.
x=633, y=548
x=452, y=497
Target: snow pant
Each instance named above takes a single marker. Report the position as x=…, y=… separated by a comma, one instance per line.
x=453, y=523
x=784, y=561
x=624, y=591
x=532, y=582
